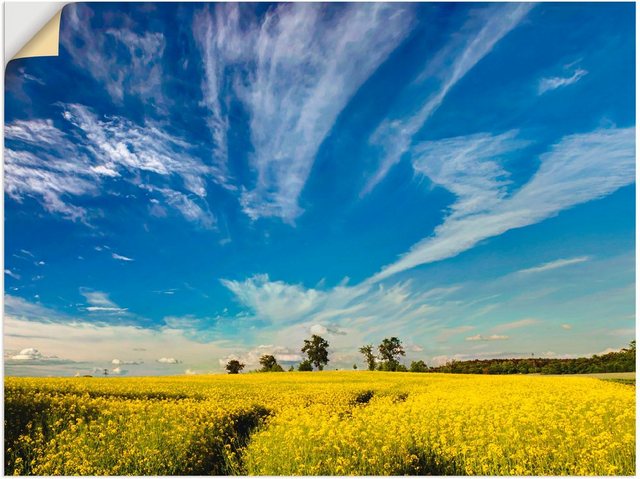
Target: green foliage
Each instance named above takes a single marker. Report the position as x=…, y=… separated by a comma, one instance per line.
x=291, y=368
x=390, y=351
x=316, y=349
x=419, y=367
x=369, y=357
x=269, y=364
x=620, y=361
x=234, y=366
x=305, y=366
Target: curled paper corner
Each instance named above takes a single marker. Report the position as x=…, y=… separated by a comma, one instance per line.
x=45, y=43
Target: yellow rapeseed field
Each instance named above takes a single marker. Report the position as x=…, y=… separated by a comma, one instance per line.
x=342, y=423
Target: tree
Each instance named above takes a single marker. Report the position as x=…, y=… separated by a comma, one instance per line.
x=269, y=364
x=305, y=366
x=369, y=357
x=418, y=367
x=316, y=349
x=234, y=366
x=390, y=351
x=291, y=368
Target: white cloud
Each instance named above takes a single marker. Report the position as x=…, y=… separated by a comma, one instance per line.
x=100, y=303
x=118, y=362
x=58, y=167
x=552, y=83
x=8, y=272
x=275, y=300
x=578, y=169
x=551, y=265
x=395, y=135
x=566, y=327
x=119, y=371
x=294, y=70
x=168, y=361
x=521, y=323
x=493, y=337
x=189, y=372
x=124, y=62
x=28, y=354
x=119, y=257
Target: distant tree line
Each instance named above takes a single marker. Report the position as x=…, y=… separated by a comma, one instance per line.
x=619, y=361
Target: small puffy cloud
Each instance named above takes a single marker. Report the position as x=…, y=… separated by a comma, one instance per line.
x=566, y=327
x=320, y=329
x=415, y=348
x=168, y=361
x=120, y=362
x=493, y=337
x=119, y=371
x=190, y=372
x=28, y=354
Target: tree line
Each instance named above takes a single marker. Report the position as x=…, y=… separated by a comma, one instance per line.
x=386, y=357
x=619, y=361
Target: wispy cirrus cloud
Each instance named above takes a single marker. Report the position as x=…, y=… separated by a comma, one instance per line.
x=577, y=169
x=294, y=70
x=521, y=323
x=551, y=265
x=119, y=257
x=395, y=134
x=553, y=83
x=122, y=60
x=99, y=302
x=492, y=337
x=59, y=165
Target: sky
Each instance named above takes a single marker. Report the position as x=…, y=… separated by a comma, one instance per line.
x=191, y=183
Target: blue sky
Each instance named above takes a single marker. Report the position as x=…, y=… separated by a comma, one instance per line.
x=190, y=183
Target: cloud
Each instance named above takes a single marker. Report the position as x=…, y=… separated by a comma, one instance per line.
x=61, y=166
x=294, y=70
x=275, y=300
x=493, y=337
x=522, y=323
x=121, y=60
x=28, y=325
x=553, y=83
x=33, y=357
x=168, y=361
x=320, y=329
x=28, y=354
x=551, y=265
x=119, y=362
x=8, y=272
x=119, y=257
x=394, y=136
x=577, y=169
x=119, y=371
x=447, y=333
x=100, y=303
x=189, y=372
x=566, y=327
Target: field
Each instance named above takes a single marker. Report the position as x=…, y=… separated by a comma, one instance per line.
x=320, y=424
